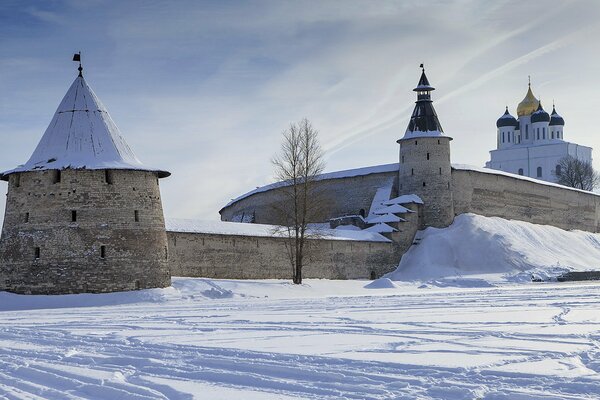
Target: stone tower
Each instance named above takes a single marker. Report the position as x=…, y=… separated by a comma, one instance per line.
x=425, y=160
x=83, y=214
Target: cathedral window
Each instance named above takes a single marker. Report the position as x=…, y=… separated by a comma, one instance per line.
x=508, y=137
x=520, y=171
x=539, y=172
x=544, y=133
x=552, y=133
x=526, y=131
x=502, y=137
x=538, y=133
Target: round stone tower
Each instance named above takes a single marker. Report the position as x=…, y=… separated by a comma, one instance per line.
x=83, y=214
x=425, y=160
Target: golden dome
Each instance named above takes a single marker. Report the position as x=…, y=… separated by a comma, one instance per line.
x=528, y=105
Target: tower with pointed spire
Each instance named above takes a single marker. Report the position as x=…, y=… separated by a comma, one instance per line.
x=83, y=214
x=533, y=143
x=425, y=159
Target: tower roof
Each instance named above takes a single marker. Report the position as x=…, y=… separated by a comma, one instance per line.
x=424, y=121
x=506, y=120
x=82, y=135
x=556, y=119
x=529, y=104
x=540, y=115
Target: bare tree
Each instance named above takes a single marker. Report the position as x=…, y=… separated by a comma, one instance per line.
x=576, y=173
x=298, y=164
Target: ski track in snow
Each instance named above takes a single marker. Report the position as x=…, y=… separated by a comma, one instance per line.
x=529, y=342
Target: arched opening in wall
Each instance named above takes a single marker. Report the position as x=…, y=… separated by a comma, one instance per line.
x=558, y=170
x=539, y=172
x=56, y=176
x=362, y=212
x=520, y=171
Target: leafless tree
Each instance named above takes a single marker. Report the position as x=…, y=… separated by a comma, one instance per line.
x=576, y=173
x=298, y=164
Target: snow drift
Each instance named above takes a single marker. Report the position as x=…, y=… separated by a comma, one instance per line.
x=512, y=250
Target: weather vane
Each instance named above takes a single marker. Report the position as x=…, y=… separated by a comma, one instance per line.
x=77, y=57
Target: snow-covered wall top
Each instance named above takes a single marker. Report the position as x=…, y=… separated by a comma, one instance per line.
x=244, y=229
x=329, y=175
x=82, y=135
x=465, y=167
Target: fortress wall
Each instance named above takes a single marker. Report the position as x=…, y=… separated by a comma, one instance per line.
x=345, y=196
x=70, y=260
x=513, y=198
x=252, y=257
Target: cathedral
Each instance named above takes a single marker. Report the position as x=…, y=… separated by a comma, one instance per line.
x=533, y=143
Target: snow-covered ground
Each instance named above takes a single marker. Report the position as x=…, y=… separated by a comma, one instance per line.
x=217, y=339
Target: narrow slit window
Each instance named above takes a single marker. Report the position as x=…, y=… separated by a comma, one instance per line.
x=412, y=171
x=17, y=180
x=415, y=142
x=136, y=216
x=26, y=217
x=57, y=176
x=102, y=251
x=37, y=253
x=423, y=184
x=428, y=156
x=440, y=170
x=73, y=216
x=108, y=177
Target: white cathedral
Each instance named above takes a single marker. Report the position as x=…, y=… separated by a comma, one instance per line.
x=533, y=144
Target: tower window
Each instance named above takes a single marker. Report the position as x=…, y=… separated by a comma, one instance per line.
x=102, y=251
x=440, y=170
x=544, y=133
x=428, y=156
x=37, y=253
x=56, y=178
x=17, y=180
x=412, y=171
x=423, y=184
x=520, y=171
x=438, y=141
x=539, y=172
x=502, y=137
x=538, y=133
x=26, y=217
x=108, y=176
x=73, y=216
x=415, y=142
x=136, y=216
x=508, y=137
x=526, y=131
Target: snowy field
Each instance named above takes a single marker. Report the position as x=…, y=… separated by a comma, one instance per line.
x=214, y=339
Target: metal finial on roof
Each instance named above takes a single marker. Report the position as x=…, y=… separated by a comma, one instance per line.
x=422, y=67
x=529, y=79
x=77, y=57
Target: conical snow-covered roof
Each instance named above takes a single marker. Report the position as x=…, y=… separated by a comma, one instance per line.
x=82, y=135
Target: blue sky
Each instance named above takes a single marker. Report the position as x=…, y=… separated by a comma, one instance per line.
x=204, y=89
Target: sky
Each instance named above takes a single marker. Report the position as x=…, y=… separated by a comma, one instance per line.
x=204, y=89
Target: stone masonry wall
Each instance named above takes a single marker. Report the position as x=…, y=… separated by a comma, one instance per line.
x=39, y=219
x=250, y=257
x=345, y=196
x=513, y=198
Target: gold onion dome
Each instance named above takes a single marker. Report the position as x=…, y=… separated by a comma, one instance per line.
x=529, y=104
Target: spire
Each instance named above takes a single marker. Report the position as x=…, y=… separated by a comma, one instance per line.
x=424, y=120
x=82, y=135
x=77, y=57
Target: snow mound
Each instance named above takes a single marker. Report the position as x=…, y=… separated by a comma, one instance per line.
x=381, y=283
x=513, y=251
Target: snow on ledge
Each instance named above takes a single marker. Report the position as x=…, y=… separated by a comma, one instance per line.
x=465, y=167
x=261, y=230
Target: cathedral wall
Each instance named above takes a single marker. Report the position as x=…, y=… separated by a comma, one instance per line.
x=344, y=196
x=513, y=198
x=252, y=257
x=81, y=234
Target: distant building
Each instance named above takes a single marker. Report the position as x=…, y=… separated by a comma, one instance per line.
x=533, y=144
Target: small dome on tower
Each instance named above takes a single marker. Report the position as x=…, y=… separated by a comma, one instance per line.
x=506, y=120
x=529, y=104
x=540, y=115
x=556, y=119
